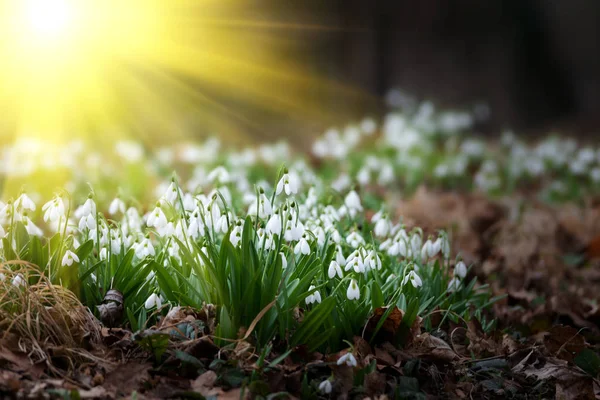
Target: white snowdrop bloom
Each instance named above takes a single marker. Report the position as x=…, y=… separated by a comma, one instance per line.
x=313, y=298
x=354, y=239
x=190, y=203
x=116, y=206
x=415, y=279
x=23, y=202
x=275, y=224
x=325, y=386
x=368, y=126
x=236, y=234
x=129, y=150
x=32, y=228
x=347, y=359
x=454, y=284
x=19, y=280
x=2, y=277
x=219, y=175
x=144, y=249
x=213, y=212
x=386, y=175
x=334, y=235
x=382, y=227
x=445, y=247
x=353, y=292
x=319, y=232
x=430, y=249
x=364, y=176
x=390, y=278
x=69, y=258
x=153, y=301
x=341, y=183
x=377, y=216
x=89, y=207
x=294, y=231
x=261, y=206
x=385, y=245
x=416, y=243
x=283, y=260
x=352, y=202
x=222, y=224
x=302, y=247
x=460, y=270
x=157, y=218
x=393, y=248
x=373, y=260
x=54, y=209
x=103, y=253
x=87, y=222
x=595, y=174
x=288, y=184
x=170, y=194
x=339, y=256
x=334, y=269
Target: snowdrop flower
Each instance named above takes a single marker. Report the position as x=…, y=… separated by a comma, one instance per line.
x=312, y=298
x=116, y=206
x=87, y=221
x=19, y=280
x=445, y=247
x=353, y=292
x=460, y=270
x=334, y=269
x=415, y=279
x=415, y=243
x=454, y=284
x=339, y=256
x=54, y=209
x=383, y=227
x=157, y=218
x=373, y=260
x=347, y=359
x=293, y=231
x=352, y=202
x=2, y=277
x=144, y=249
x=222, y=224
x=430, y=249
x=89, y=207
x=23, y=202
x=274, y=225
x=283, y=260
x=31, y=228
x=364, y=176
x=69, y=258
x=262, y=206
x=287, y=183
x=325, y=386
x=302, y=246
x=236, y=234
x=354, y=239
x=171, y=194
x=153, y=301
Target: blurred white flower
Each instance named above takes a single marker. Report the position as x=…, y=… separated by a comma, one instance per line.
x=347, y=359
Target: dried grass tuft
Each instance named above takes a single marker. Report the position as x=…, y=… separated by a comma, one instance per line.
x=45, y=321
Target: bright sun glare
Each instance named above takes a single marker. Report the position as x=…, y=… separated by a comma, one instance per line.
x=48, y=19
x=149, y=69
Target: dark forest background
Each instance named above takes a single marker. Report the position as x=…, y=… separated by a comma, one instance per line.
x=536, y=63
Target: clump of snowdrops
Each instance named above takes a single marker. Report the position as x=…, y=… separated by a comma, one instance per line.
x=296, y=262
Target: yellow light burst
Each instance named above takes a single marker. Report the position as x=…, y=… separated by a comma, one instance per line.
x=149, y=68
